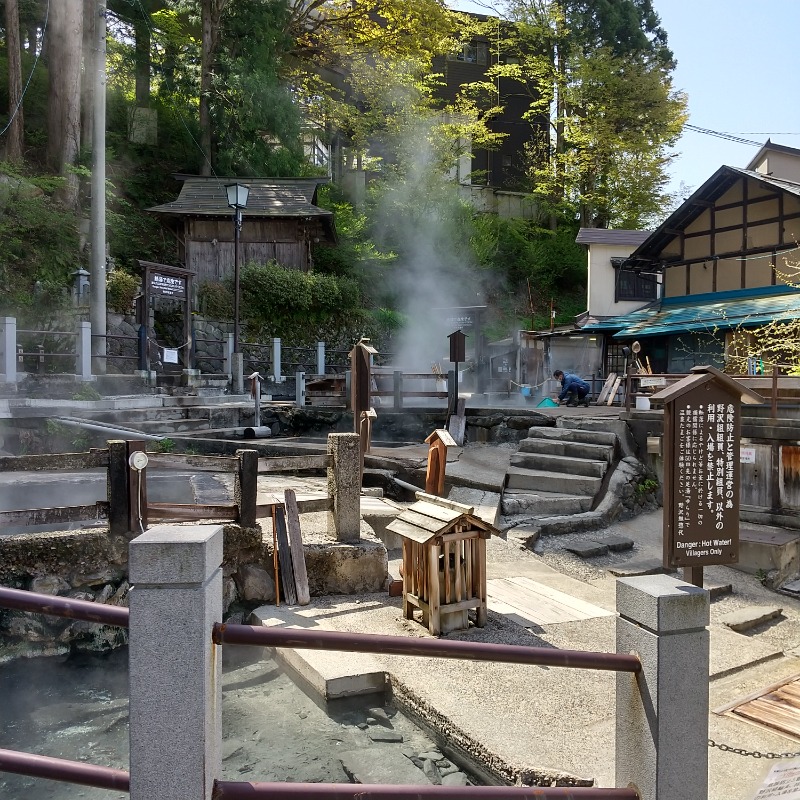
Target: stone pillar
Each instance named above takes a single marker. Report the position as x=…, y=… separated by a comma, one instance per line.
x=245, y=488
x=662, y=714
x=83, y=352
x=320, y=358
x=237, y=380
x=276, y=360
x=8, y=347
x=344, y=485
x=300, y=389
x=175, y=669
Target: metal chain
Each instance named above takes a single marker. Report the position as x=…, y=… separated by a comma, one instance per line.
x=754, y=753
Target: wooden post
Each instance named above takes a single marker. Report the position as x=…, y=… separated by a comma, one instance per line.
x=434, y=617
x=137, y=490
x=117, y=488
x=774, y=408
x=437, y=442
x=246, y=487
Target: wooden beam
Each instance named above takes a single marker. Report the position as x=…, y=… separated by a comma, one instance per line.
x=197, y=463
x=94, y=459
x=178, y=512
x=291, y=463
x=50, y=516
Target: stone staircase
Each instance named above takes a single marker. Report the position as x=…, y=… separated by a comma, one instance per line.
x=558, y=472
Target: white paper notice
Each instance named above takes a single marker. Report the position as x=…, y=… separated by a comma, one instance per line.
x=782, y=782
x=170, y=356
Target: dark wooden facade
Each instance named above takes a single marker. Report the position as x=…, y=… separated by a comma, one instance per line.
x=281, y=223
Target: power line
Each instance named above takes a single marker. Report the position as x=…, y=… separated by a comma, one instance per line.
x=33, y=69
x=721, y=135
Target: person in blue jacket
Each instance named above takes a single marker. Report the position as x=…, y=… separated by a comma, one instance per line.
x=573, y=389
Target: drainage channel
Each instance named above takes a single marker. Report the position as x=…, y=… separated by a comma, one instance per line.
x=77, y=708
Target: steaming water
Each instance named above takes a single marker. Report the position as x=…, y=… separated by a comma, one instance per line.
x=77, y=709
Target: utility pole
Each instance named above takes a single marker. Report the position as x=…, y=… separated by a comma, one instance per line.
x=98, y=217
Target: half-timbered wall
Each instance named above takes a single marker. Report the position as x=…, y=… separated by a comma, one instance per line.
x=745, y=240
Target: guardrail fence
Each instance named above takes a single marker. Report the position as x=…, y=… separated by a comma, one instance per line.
x=661, y=667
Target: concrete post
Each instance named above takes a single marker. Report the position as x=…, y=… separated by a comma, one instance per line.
x=397, y=381
x=320, y=358
x=8, y=345
x=662, y=714
x=276, y=360
x=300, y=389
x=344, y=485
x=227, y=352
x=175, y=669
x=237, y=379
x=83, y=351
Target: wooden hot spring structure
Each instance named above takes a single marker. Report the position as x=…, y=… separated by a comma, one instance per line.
x=444, y=563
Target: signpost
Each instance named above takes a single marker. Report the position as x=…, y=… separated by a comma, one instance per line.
x=702, y=428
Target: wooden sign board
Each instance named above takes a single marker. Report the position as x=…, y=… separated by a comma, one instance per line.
x=173, y=286
x=458, y=347
x=701, y=476
x=652, y=381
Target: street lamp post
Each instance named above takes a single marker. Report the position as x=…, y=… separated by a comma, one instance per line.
x=237, y=200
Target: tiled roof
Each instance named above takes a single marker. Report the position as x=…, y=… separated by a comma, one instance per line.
x=269, y=197
x=611, y=236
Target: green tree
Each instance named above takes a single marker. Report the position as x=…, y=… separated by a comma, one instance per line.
x=598, y=75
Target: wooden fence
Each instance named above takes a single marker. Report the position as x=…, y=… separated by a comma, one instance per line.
x=127, y=507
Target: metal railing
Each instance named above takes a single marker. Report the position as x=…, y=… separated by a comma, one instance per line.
x=106, y=777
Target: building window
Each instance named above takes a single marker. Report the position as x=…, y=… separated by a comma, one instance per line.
x=472, y=53
x=635, y=286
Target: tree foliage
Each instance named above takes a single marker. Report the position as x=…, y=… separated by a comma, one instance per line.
x=598, y=77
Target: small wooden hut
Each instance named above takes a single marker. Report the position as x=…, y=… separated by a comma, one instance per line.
x=444, y=563
x=281, y=222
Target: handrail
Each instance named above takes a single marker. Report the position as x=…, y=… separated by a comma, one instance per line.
x=69, y=607
x=59, y=769
x=439, y=648
x=237, y=790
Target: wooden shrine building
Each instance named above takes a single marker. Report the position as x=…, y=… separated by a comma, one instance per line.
x=281, y=222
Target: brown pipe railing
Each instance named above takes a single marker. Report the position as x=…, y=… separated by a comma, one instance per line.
x=436, y=648
x=59, y=769
x=230, y=790
x=63, y=607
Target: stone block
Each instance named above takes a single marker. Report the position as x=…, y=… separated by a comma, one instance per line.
x=156, y=559
x=662, y=603
x=383, y=764
x=745, y=618
x=587, y=548
x=617, y=544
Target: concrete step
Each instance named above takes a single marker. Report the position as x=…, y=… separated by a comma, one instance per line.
x=554, y=463
x=573, y=435
x=541, y=480
x=520, y=501
x=560, y=447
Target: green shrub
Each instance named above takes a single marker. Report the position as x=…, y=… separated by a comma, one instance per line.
x=121, y=291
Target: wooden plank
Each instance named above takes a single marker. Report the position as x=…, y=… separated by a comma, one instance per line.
x=308, y=505
x=565, y=599
x=767, y=713
x=511, y=613
x=442, y=502
x=543, y=613
x=179, y=511
x=754, y=695
x=459, y=579
x=285, y=557
x=49, y=516
x=434, y=618
x=409, y=531
x=612, y=395
x=458, y=422
x=296, y=546
x=448, y=584
x=197, y=463
x=461, y=605
x=609, y=382
x=443, y=515
x=291, y=463
x=95, y=459
x=410, y=517
x=555, y=603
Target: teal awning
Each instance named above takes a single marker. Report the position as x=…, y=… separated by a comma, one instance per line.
x=706, y=317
